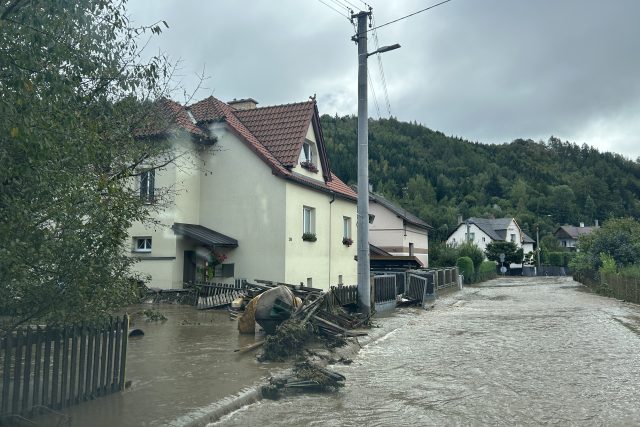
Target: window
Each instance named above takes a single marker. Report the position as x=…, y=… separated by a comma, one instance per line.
x=148, y=185
x=308, y=154
x=142, y=244
x=470, y=237
x=309, y=282
x=410, y=249
x=308, y=220
x=513, y=238
x=346, y=226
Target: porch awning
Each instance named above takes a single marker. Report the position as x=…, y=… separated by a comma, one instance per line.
x=204, y=235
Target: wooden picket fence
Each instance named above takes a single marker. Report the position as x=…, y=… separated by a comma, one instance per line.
x=51, y=367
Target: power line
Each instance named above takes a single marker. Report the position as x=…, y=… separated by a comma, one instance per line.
x=381, y=68
x=341, y=4
x=335, y=10
x=407, y=16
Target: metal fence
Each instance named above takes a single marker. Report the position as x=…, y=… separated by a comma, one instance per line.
x=384, y=292
x=622, y=287
x=50, y=367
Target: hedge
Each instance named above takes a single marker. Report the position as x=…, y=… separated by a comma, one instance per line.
x=465, y=266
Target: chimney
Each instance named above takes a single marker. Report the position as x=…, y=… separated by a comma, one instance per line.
x=597, y=224
x=243, y=104
x=582, y=225
x=459, y=219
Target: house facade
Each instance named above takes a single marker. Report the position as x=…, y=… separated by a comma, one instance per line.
x=568, y=235
x=261, y=203
x=397, y=232
x=482, y=231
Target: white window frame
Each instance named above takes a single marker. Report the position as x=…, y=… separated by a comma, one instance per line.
x=142, y=244
x=346, y=227
x=513, y=237
x=148, y=185
x=307, y=151
x=308, y=220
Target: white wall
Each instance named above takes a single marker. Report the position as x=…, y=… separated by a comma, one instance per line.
x=480, y=238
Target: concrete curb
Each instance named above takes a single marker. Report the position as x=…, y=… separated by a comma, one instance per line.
x=253, y=394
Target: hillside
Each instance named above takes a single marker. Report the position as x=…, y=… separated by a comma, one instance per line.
x=440, y=177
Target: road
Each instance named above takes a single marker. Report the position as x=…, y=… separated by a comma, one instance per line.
x=513, y=351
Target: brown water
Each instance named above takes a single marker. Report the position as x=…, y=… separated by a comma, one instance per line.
x=180, y=365
x=525, y=351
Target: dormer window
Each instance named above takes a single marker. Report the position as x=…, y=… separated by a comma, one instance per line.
x=308, y=154
x=306, y=157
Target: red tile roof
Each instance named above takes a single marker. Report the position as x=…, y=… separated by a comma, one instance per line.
x=275, y=134
x=166, y=115
x=281, y=128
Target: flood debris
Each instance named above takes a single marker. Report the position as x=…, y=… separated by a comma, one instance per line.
x=153, y=315
x=307, y=377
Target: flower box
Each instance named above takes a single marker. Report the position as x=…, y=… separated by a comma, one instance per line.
x=309, y=237
x=347, y=241
x=309, y=166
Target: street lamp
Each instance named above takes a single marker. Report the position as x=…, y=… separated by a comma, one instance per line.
x=364, y=286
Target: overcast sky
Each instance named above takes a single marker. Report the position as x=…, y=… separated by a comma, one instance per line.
x=485, y=70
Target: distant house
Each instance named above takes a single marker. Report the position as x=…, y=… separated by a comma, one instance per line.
x=568, y=235
x=397, y=232
x=262, y=204
x=483, y=231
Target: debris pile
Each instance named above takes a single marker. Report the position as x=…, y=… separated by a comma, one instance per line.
x=306, y=376
x=293, y=316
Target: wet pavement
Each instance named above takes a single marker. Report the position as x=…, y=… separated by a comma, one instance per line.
x=513, y=351
x=178, y=366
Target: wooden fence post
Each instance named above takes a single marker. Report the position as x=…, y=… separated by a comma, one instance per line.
x=123, y=357
x=17, y=369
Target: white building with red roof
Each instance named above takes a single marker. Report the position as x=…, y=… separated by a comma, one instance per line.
x=249, y=196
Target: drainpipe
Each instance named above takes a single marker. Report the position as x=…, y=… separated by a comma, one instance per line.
x=333, y=199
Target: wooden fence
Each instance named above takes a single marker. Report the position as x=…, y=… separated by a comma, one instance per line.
x=212, y=295
x=346, y=294
x=622, y=287
x=58, y=367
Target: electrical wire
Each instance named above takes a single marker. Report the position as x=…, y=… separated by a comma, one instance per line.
x=381, y=68
x=335, y=10
x=373, y=92
x=341, y=5
x=407, y=16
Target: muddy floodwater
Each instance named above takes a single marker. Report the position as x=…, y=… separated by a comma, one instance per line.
x=178, y=366
x=524, y=351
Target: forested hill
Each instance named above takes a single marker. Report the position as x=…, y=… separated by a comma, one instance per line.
x=440, y=177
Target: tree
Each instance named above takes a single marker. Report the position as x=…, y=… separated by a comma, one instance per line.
x=473, y=252
x=512, y=253
x=618, y=239
x=72, y=92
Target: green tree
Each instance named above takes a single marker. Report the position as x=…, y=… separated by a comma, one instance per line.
x=72, y=92
x=473, y=252
x=512, y=253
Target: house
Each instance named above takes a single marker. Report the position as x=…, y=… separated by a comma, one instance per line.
x=397, y=232
x=255, y=199
x=568, y=235
x=483, y=231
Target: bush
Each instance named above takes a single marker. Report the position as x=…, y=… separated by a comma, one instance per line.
x=465, y=266
x=555, y=258
x=442, y=254
x=486, y=271
x=471, y=250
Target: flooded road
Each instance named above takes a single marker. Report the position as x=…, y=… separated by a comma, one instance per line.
x=180, y=365
x=525, y=351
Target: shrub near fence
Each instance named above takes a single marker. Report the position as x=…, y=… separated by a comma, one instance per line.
x=465, y=265
x=58, y=367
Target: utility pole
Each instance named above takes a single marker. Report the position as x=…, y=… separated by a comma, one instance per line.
x=468, y=239
x=538, y=244
x=364, y=286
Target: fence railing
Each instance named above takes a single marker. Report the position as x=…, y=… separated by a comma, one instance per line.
x=212, y=295
x=58, y=367
x=346, y=294
x=622, y=287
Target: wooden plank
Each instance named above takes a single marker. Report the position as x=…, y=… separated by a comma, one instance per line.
x=46, y=366
x=103, y=356
x=55, y=379
x=96, y=361
x=17, y=369
x=123, y=357
x=7, y=348
x=109, y=376
x=116, y=356
x=27, y=371
x=82, y=373
x=64, y=390
x=37, y=369
x=74, y=366
x=89, y=366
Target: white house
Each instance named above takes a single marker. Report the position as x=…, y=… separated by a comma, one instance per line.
x=396, y=231
x=482, y=231
x=263, y=204
x=568, y=235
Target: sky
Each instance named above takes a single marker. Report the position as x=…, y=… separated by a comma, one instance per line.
x=484, y=70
